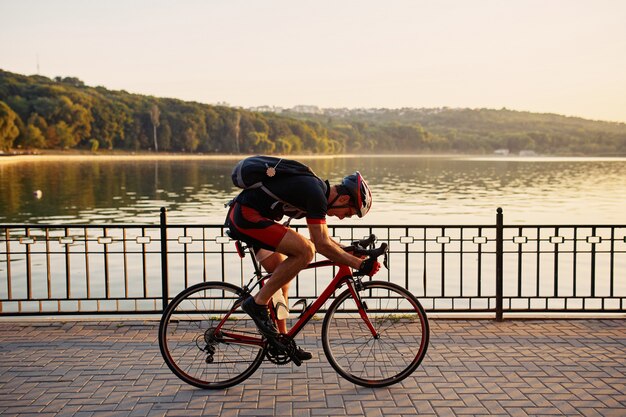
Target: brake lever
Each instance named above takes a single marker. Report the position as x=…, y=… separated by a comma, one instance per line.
x=384, y=249
x=386, y=258
x=364, y=244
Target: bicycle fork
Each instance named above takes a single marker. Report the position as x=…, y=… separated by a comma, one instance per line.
x=353, y=287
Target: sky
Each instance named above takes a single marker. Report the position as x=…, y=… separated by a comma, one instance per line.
x=549, y=56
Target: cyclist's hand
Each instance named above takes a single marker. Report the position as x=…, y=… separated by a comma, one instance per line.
x=369, y=267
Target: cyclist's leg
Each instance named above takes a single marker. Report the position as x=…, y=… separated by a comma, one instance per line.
x=248, y=224
x=264, y=234
x=270, y=261
x=282, y=324
x=299, y=251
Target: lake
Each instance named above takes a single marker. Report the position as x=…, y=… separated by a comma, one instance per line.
x=408, y=191
x=415, y=190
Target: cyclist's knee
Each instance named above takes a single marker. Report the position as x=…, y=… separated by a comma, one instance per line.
x=305, y=253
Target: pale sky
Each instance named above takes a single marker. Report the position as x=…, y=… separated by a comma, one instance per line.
x=554, y=56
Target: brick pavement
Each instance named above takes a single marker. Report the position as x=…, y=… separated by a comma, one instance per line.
x=473, y=367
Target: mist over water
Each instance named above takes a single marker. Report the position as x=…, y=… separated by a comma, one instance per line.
x=407, y=190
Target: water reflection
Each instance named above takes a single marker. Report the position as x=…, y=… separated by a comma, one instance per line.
x=407, y=190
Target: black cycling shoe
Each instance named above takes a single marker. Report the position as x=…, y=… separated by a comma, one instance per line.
x=302, y=354
x=260, y=315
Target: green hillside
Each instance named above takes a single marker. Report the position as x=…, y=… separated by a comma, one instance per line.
x=62, y=113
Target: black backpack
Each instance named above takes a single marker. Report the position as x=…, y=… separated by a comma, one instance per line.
x=255, y=171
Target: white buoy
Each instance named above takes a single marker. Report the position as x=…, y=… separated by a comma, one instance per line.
x=37, y=194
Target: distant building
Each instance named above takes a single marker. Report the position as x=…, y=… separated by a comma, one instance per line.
x=306, y=109
x=266, y=109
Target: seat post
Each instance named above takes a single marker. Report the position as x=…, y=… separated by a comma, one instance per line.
x=255, y=262
x=241, y=250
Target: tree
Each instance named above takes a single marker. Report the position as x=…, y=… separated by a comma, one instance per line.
x=73, y=81
x=61, y=109
x=47, y=107
x=191, y=140
x=261, y=143
x=289, y=144
x=78, y=118
x=155, y=113
x=237, y=130
x=111, y=118
x=8, y=126
x=33, y=138
x=65, y=135
x=165, y=135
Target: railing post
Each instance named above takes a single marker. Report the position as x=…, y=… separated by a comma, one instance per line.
x=164, y=278
x=499, y=263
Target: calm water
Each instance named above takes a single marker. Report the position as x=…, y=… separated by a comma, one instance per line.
x=407, y=190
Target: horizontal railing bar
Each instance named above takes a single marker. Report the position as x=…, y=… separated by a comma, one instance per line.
x=336, y=226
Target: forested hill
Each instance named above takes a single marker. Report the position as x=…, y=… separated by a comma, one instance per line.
x=487, y=130
x=40, y=113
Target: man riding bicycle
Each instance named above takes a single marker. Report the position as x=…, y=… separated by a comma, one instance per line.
x=253, y=217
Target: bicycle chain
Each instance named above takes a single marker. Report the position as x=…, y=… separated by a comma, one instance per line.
x=279, y=353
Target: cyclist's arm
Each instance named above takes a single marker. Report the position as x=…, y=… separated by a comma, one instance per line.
x=329, y=248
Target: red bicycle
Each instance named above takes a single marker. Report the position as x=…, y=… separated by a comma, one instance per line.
x=374, y=334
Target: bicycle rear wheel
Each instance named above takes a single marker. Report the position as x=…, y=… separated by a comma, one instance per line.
x=361, y=358
x=192, y=347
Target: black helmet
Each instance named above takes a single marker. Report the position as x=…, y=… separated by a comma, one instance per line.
x=359, y=192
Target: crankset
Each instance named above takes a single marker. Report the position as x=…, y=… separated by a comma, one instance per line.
x=282, y=351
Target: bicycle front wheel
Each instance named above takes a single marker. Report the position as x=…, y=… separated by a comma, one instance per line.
x=193, y=346
x=393, y=353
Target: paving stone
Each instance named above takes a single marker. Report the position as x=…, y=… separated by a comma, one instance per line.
x=473, y=368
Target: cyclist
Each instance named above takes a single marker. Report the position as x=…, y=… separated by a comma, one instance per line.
x=253, y=218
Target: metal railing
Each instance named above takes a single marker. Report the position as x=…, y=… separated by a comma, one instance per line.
x=132, y=269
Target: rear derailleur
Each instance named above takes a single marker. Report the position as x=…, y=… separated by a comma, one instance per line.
x=206, y=342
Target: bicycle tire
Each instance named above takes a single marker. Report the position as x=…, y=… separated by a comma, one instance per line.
x=359, y=357
x=185, y=332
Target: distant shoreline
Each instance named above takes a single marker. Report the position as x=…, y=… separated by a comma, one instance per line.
x=75, y=157
x=6, y=159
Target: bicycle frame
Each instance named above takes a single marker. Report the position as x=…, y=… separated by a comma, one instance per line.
x=343, y=276
x=374, y=333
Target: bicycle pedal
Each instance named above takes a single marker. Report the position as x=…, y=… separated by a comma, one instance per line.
x=295, y=360
x=291, y=353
